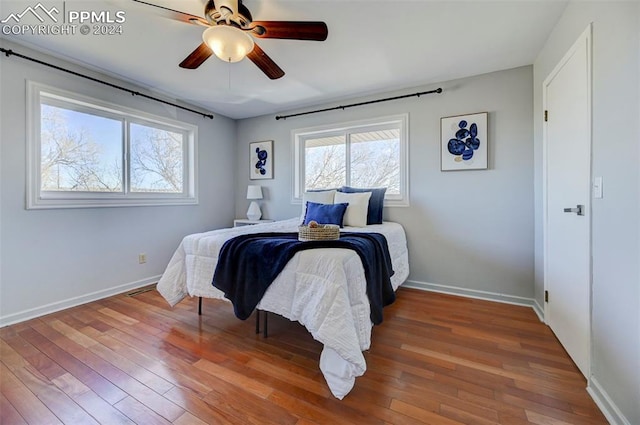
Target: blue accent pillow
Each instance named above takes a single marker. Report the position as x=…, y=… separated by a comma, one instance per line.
x=325, y=213
x=376, y=202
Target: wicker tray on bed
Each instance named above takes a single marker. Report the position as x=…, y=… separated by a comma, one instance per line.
x=321, y=232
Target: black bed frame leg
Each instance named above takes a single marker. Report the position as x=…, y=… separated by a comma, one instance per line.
x=200, y=306
x=264, y=330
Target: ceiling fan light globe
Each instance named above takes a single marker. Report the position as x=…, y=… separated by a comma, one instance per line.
x=228, y=43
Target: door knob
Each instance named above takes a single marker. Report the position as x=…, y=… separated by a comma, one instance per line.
x=579, y=209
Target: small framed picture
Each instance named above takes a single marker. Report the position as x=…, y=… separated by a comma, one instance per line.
x=261, y=162
x=463, y=142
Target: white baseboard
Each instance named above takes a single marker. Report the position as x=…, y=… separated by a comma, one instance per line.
x=72, y=302
x=606, y=405
x=539, y=310
x=475, y=293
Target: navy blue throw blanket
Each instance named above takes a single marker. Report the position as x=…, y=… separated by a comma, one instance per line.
x=248, y=264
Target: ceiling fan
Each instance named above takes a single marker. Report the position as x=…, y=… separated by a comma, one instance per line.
x=230, y=31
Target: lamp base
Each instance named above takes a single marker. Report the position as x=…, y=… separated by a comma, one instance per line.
x=254, y=213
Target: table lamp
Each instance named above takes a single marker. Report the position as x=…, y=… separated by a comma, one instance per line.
x=254, y=192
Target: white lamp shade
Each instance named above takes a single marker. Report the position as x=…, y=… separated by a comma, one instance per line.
x=254, y=191
x=228, y=43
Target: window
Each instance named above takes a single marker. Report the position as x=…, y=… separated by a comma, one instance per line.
x=363, y=154
x=85, y=153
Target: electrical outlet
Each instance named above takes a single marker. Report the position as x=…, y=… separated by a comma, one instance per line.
x=142, y=258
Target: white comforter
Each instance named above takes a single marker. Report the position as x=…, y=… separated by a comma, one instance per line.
x=324, y=289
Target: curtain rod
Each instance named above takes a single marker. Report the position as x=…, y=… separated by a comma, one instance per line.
x=284, y=117
x=9, y=52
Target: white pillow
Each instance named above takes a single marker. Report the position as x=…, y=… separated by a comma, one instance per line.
x=356, y=214
x=322, y=197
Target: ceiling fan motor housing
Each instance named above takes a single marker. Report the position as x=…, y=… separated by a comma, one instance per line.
x=224, y=14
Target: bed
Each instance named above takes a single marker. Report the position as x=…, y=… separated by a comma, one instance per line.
x=323, y=289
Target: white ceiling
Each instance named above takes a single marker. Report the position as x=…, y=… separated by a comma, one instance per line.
x=373, y=46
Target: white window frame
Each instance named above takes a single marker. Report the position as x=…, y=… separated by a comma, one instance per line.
x=39, y=199
x=298, y=137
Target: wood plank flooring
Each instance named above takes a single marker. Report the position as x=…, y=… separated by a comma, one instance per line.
x=436, y=359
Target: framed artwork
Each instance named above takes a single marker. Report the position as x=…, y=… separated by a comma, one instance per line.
x=261, y=162
x=463, y=142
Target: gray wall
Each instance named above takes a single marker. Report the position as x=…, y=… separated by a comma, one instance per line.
x=52, y=258
x=470, y=231
x=615, y=232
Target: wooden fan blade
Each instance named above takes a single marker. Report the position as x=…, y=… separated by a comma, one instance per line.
x=197, y=57
x=176, y=14
x=293, y=30
x=265, y=63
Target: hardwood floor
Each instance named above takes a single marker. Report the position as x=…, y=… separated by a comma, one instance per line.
x=436, y=359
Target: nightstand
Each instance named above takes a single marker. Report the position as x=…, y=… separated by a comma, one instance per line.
x=246, y=222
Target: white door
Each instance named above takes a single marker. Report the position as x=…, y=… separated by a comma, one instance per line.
x=567, y=174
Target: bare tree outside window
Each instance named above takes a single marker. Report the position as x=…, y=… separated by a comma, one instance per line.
x=371, y=153
x=325, y=166
x=86, y=152
x=83, y=152
x=157, y=158
x=374, y=161
x=79, y=151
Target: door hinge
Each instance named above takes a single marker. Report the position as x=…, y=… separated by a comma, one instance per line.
x=546, y=296
x=546, y=115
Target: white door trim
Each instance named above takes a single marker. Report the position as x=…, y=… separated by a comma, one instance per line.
x=585, y=37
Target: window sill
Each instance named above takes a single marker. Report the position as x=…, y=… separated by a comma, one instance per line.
x=45, y=204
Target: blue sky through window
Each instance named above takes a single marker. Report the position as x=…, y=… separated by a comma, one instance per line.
x=80, y=151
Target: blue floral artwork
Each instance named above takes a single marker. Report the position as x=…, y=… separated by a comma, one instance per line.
x=464, y=142
x=261, y=162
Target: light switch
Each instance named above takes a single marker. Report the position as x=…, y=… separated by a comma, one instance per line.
x=597, y=187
